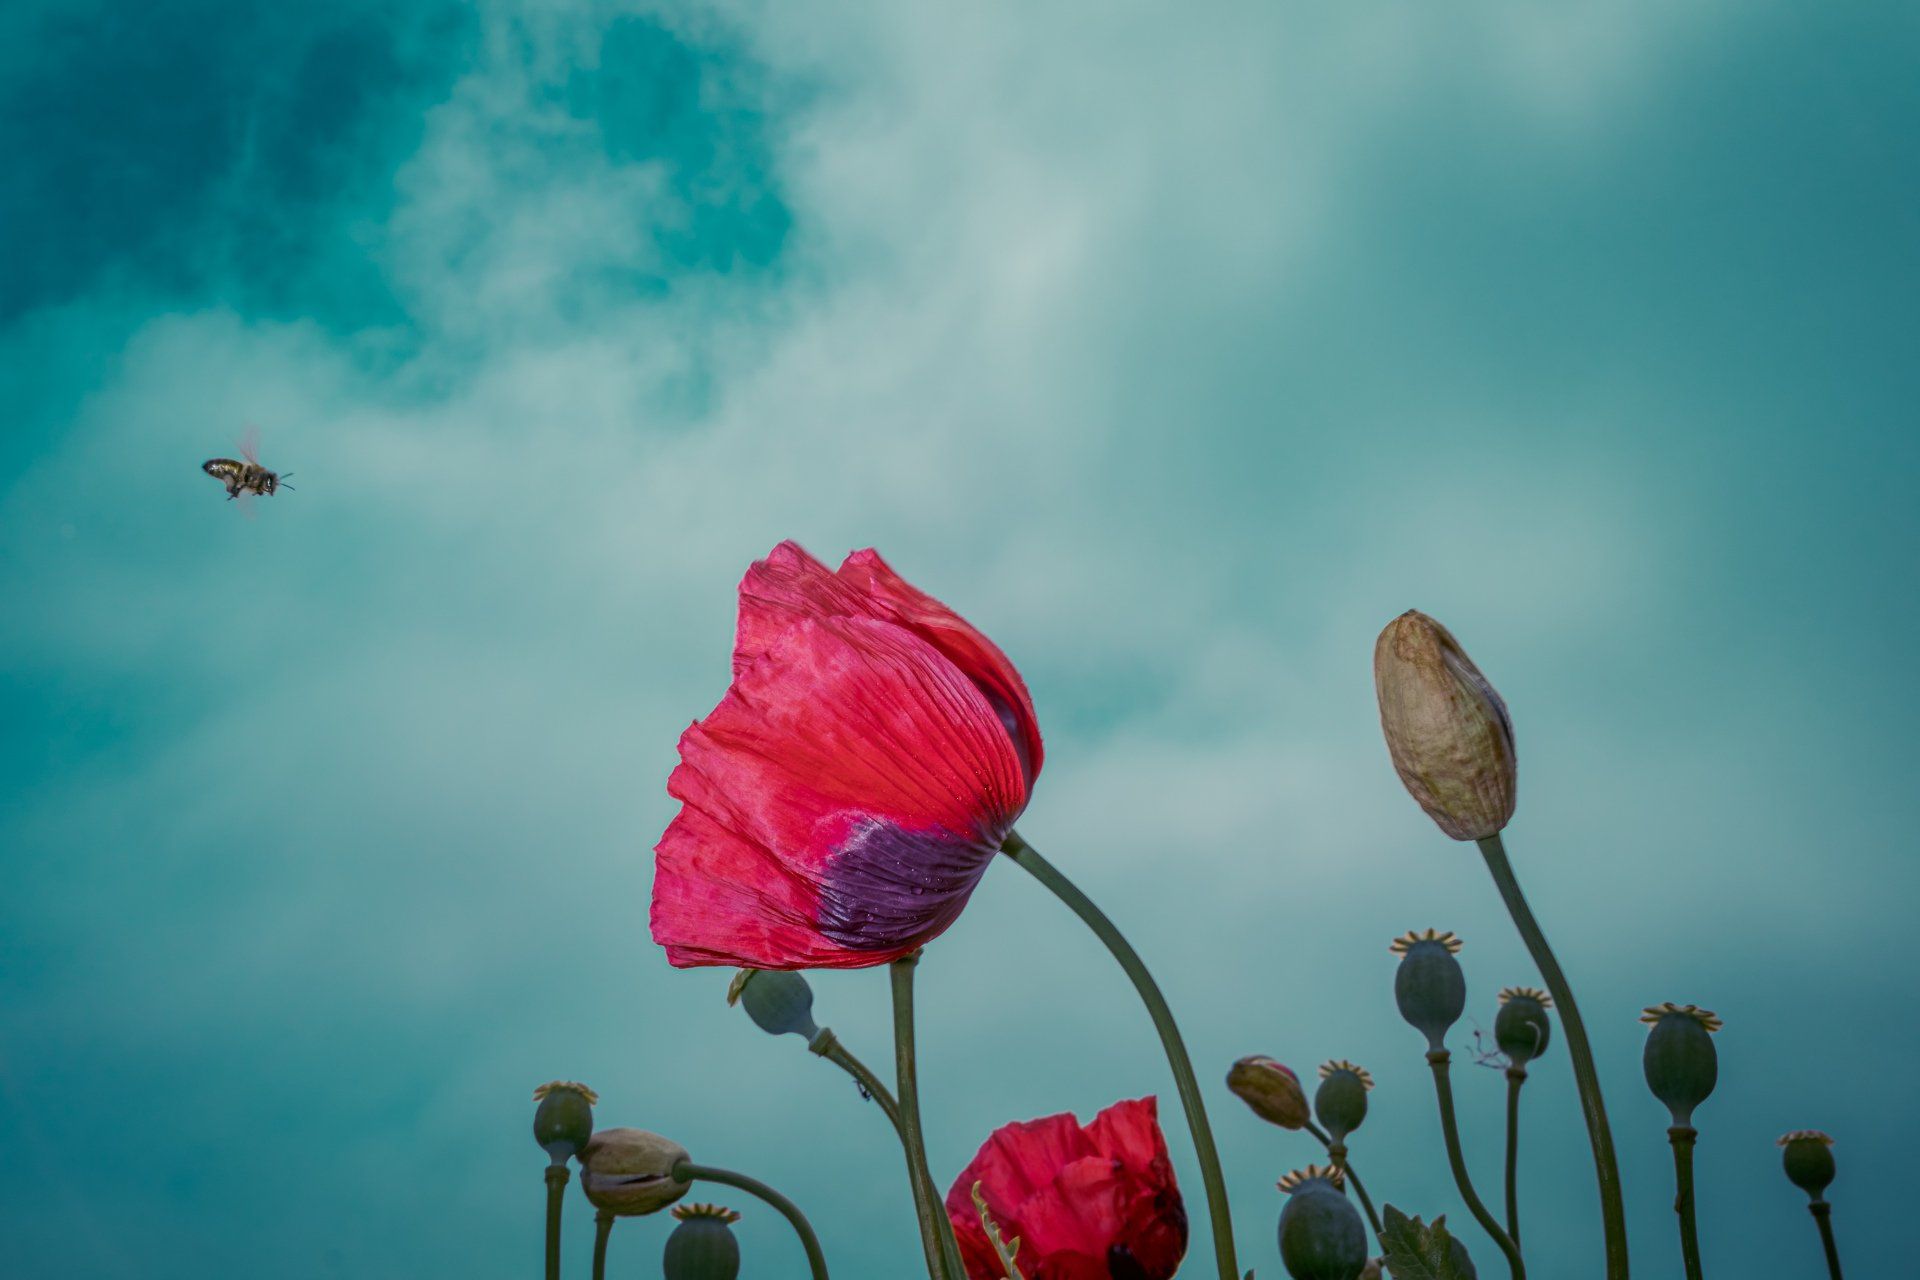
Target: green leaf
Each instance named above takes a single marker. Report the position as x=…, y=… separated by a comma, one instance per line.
x=1416, y=1251
x=1003, y=1249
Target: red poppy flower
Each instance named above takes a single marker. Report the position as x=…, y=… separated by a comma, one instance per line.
x=1093, y=1203
x=840, y=804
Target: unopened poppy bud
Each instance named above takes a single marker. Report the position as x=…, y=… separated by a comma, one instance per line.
x=1807, y=1156
x=702, y=1247
x=1680, y=1061
x=1321, y=1235
x=1522, y=1028
x=563, y=1121
x=777, y=1000
x=1447, y=729
x=1341, y=1099
x=1430, y=986
x=629, y=1172
x=1271, y=1089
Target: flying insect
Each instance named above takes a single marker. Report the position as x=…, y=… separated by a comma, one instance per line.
x=246, y=476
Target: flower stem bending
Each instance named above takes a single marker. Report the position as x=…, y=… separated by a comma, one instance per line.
x=828, y=1046
x=1516, y=1076
x=557, y=1175
x=1682, y=1137
x=1337, y=1153
x=687, y=1171
x=602, y=1232
x=1189, y=1088
x=1450, y=1130
x=1606, y=1168
x=936, y=1233
x=1823, y=1215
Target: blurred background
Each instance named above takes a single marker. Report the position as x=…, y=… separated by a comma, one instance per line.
x=1179, y=347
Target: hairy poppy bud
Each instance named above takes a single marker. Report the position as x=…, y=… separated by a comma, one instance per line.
x=1321, y=1235
x=1447, y=729
x=563, y=1121
x=629, y=1172
x=1680, y=1061
x=1430, y=987
x=1341, y=1099
x=777, y=1000
x=1522, y=1028
x=1807, y=1157
x=702, y=1247
x=1271, y=1089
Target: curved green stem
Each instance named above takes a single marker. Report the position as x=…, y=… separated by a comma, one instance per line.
x=1337, y=1153
x=936, y=1233
x=1823, y=1215
x=1682, y=1137
x=602, y=1231
x=557, y=1175
x=1450, y=1130
x=687, y=1171
x=1516, y=1076
x=828, y=1046
x=1606, y=1168
x=1189, y=1088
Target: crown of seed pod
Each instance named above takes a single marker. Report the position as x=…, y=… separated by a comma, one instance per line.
x=1680, y=1061
x=1430, y=987
x=1341, y=1099
x=1522, y=1028
x=778, y=1001
x=629, y=1172
x=702, y=1247
x=1447, y=729
x=563, y=1121
x=1271, y=1089
x=1321, y=1235
x=1807, y=1156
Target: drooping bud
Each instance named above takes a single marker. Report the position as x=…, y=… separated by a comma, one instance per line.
x=1321, y=1235
x=1522, y=1028
x=777, y=1000
x=629, y=1172
x=1430, y=986
x=563, y=1121
x=1807, y=1156
x=702, y=1247
x=1680, y=1061
x=1341, y=1099
x=1447, y=729
x=1271, y=1089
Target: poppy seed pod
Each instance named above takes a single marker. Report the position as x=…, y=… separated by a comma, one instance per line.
x=629, y=1172
x=1341, y=1099
x=1807, y=1156
x=1447, y=729
x=1270, y=1089
x=779, y=1001
x=1430, y=986
x=563, y=1121
x=1679, y=1059
x=1522, y=1028
x=702, y=1247
x=1321, y=1235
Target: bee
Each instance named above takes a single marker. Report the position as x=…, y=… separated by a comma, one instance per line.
x=246, y=477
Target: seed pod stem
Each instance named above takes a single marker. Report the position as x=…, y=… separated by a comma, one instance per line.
x=828, y=1046
x=1682, y=1137
x=1450, y=1130
x=602, y=1232
x=1516, y=1076
x=1337, y=1153
x=1823, y=1216
x=936, y=1230
x=557, y=1175
x=687, y=1171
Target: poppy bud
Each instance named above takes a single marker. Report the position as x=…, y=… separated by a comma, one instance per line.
x=1447, y=729
x=1321, y=1235
x=1808, y=1160
x=1522, y=1028
x=1341, y=1099
x=1680, y=1061
x=777, y=1000
x=1430, y=987
x=629, y=1172
x=563, y=1121
x=702, y=1247
x=1271, y=1089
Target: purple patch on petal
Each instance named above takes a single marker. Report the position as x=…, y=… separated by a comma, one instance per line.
x=887, y=887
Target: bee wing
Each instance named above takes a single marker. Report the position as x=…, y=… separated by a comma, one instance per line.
x=250, y=444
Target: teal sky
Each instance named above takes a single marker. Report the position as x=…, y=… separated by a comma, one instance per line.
x=1180, y=347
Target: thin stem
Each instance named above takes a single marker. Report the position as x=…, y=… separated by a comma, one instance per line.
x=1516, y=1076
x=1682, y=1137
x=936, y=1233
x=687, y=1171
x=602, y=1230
x=1189, y=1088
x=828, y=1046
x=1337, y=1152
x=557, y=1175
x=1450, y=1130
x=1606, y=1168
x=1823, y=1215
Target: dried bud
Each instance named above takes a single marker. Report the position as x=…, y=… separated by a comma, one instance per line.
x=702, y=1247
x=1679, y=1059
x=1808, y=1159
x=1271, y=1089
x=778, y=1001
x=563, y=1121
x=1447, y=729
x=1522, y=1028
x=1430, y=986
x=1321, y=1235
x=630, y=1171
x=1341, y=1100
